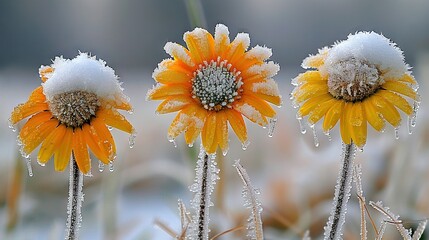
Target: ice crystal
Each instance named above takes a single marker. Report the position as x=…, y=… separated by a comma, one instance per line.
x=203, y=186
x=249, y=193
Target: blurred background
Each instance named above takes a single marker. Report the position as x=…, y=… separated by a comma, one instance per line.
x=296, y=179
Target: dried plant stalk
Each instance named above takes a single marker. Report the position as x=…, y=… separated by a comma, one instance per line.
x=251, y=201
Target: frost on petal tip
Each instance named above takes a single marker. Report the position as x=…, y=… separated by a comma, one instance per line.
x=260, y=53
x=177, y=51
x=241, y=39
x=221, y=31
x=269, y=69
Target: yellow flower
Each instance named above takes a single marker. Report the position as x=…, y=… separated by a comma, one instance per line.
x=212, y=82
x=361, y=80
x=70, y=112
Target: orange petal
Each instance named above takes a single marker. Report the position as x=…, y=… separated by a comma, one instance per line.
x=162, y=91
x=63, y=153
x=236, y=50
x=181, y=121
x=170, y=72
x=52, y=142
x=260, y=105
x=250, y=112
x=222, y=131
x=44, y=72
x=173, y=104
x=320, y=111
x=80, y=151
x=94, y=143
x=114, y=119
x=27, y=109
x=37, y=135
x=179, y=53
x=221, y=39
x=237, y=123
x=106, y=141
x=201, y=45
x=35, y=121
x=208, y=132
x=276, y=100
x=195, y=126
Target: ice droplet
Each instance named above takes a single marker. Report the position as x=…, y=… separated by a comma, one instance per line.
x=301, y=125
x=245, y=144
x=110, y=128
x=132, y=140
x=328, y=134
x=172, y=140
x=410, y=127
x=225, y=151
x=191, y=144
x=271, y=126
x=315, y=138
x=396, y=132
x=29, y=167
x=100, y=166
x=111, y=167
x=131, y=111
x=12, y=126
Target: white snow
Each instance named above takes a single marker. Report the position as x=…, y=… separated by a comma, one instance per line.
x=221, y=32
x=251, y=113
x=268, y=87
x=83, y=73
x=268, y=69
x=259, y=52
x=370, y=48
x=240, y=39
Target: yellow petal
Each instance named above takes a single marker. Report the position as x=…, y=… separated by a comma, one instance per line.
x=106, y=141
x=396, y=100
x=309, y=76
x=309, y=90
x=373, y=116
x=313, y=103
x=162, y=91
x=170, y=72
x=201, y=45
x=333, y=115
x=408, y=79
x=80, y=151
x=399, y=87
x=320, y=111
x=387, y=110
x=195, y=126
x=63, y=153
x=35, y=121
x=237, y=124
x=52, y=142
x=27, y=109
x=114, y=119
x=276, y=100
x=358, y=124
x=179, y=53
x=37, y=135
x=173, y=104
x=315, y=61
x=345, y=123
x=208, y=132
x=236, y=50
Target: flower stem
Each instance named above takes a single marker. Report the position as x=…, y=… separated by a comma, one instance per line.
x=75, y=201
x=333, y=230
x=202, y=217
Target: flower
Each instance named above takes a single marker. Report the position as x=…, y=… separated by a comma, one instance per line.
x=69, y=113
x=212, y=82
x=361, y=80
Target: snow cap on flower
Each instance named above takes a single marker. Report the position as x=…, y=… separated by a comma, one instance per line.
x=83, y=73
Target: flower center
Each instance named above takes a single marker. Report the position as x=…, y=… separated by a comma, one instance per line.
x=74, y=108
x=353, y=80
x=215, y=85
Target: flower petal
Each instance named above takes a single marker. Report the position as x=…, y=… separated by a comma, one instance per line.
x=162, y=91
x=63, y=153
x=201, y=45
x=37, y=135
x=221, y=39
x=309, y=76
x=170, y=72
x=333, y=115
x=195, y=126
x=320, y=111
x=358, y=124
x=316, y=61
x=222, y=130
x=313, y=103
x=396, y=100
x=208, y=133
x=373, y=116
x=251, y=113
x=387, y=110
x=179, y=53
x=399, y=87
x=309, y=90
x=181, y=121
x=237, y=123
x=114, y=119
x=106, y=141
x=94, y=143
x=173, y=104
x=52, y=142
x=80, y=151
x=27, y=109
x=237, y=48
x=345, y=123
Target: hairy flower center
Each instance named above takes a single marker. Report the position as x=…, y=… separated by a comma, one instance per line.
x=215, y=85
x=353, y=80
x=74, y=108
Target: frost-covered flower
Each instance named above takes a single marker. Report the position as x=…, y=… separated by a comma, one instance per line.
x=212, y=82
x=70, y=112
x=361, y=80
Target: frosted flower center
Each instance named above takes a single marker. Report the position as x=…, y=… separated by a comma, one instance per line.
x=215, y=85
x=353, y=80
x=74, y=108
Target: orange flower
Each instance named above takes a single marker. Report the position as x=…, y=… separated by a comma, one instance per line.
x=212, y=82
x=70, y=111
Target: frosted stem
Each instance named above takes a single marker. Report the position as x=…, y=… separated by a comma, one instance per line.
x=333, y=230
x=75, y=201
x=202, y=232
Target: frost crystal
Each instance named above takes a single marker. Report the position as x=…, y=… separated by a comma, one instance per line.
x=249, y=193
x=203, y=186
